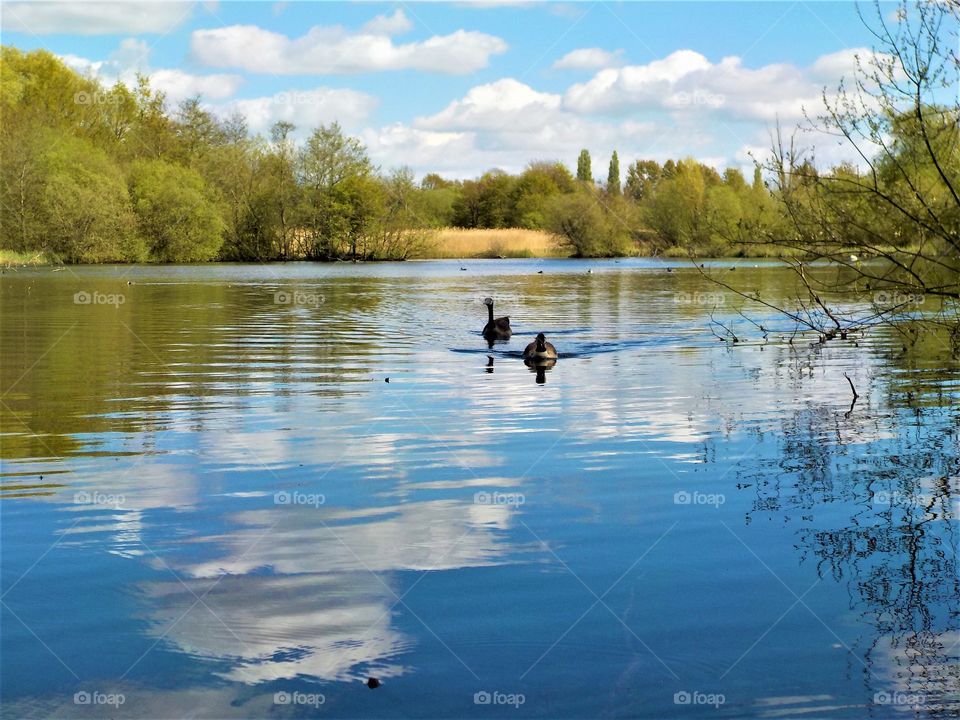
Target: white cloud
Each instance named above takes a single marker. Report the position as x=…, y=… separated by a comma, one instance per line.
x=334, y=50
x=389, y=24
x=94, y=18
x=831, y=67
x=613, y=89
x=569, y=10
x=589, y=59
x=503, y=124
x=687, y=81
x=178, y=85
x=454, y=153
x=306, y=109
x=132, y=56
x=502, y=104
x=676, y=106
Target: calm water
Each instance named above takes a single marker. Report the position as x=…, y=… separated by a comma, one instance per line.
x=214, y=505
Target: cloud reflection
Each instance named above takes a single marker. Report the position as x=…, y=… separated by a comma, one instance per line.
x=313, y=591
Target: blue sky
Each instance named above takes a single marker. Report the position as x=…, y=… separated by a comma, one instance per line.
x=462, y=87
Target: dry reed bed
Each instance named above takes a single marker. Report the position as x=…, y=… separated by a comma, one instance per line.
x=505, y=242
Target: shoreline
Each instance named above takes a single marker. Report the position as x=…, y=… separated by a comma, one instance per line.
x=44, y=262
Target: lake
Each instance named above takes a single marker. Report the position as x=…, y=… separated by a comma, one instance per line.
x=243, y=490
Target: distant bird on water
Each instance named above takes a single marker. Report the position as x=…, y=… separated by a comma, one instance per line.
x=496, y=328
x=540, y=349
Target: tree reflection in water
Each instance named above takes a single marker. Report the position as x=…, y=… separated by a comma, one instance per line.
x=878, y=490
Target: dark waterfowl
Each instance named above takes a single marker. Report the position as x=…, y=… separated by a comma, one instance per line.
x=540, y=349
x=496, y=328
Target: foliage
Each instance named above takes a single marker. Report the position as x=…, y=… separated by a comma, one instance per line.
x=176, y=215
x=584, y=172
x=84, y=205
x=613, y=175
x=588, y=225
x=901, y=114
x=94, y=174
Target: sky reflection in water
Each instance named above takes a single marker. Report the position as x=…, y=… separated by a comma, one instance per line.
x=234, y=503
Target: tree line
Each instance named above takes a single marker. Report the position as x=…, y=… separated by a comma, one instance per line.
x=112, y=174
x=97, y=174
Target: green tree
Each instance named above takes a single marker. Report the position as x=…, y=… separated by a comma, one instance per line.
x=436, y=207
x=153, y=134
x=642, y=179
x=197, y=131
x=467, y=209
x=82, y=212
x=433, y=181
x=398, y=231
x=584, y=172
x=496, y=189
x=723, y=215
x=281, y=169
x=613, y=175
x=334, y=171
x=677, y=211
x=586, y=226
x=245, y=188
x=733, y=179
x=176, y=214
x=533, y=190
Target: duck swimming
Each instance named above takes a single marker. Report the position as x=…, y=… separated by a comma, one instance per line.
x=496, y=328
x=540, y=349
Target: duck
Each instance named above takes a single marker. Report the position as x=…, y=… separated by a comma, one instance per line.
x=496, y=328
x=540, y=349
